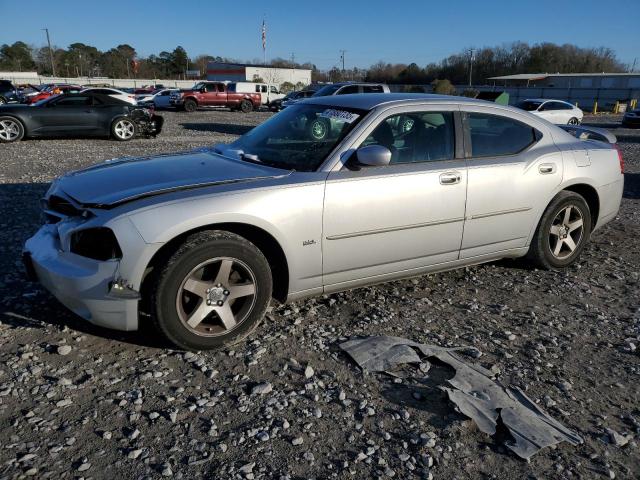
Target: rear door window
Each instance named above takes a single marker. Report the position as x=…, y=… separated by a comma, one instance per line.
x=495, y=135
x=372, y=89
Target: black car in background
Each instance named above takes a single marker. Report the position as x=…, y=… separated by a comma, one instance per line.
x=631, y=118
x=8, y=93
x=77, y=114
x=290, y=99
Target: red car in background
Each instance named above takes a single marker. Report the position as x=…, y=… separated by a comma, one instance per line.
x=52, y=90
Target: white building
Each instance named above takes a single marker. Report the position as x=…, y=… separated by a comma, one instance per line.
x=240, y=72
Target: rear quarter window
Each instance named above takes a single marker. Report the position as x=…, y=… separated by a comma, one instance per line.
x=495, y=135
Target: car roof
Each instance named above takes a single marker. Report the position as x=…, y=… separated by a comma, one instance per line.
x=352, y=83
x=369, y=101
x=106, y=99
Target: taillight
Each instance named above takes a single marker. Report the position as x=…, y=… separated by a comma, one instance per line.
x=620, y=158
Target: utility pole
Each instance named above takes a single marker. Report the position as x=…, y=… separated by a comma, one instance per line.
x=342, y=52
x=633, y=67
x=53, y=67
x=470, y=66
x=293, y=58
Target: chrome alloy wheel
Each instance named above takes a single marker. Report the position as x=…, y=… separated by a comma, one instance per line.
x=124, y=129
x=9, y=130
x=216, y=296
x=566, y=232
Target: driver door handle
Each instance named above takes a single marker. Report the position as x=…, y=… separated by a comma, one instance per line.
x=449, y=178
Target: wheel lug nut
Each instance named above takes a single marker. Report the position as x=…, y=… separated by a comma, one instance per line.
x=226, y=292
x=208, y=302
x=220, y=302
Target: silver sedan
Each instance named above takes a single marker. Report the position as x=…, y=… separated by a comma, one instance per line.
x=332, y=193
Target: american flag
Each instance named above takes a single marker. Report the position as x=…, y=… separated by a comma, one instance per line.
x=264, y=35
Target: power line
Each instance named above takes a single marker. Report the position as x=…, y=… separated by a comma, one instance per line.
x=53, y=67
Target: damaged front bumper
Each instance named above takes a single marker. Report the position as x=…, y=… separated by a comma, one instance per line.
x=90, y=288
x=149, y=126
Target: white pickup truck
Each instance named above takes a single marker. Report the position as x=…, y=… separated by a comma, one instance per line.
x=268, y=93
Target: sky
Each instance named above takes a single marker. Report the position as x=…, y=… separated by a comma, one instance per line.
x=392, y=31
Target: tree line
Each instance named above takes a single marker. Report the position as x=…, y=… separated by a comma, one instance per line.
x=123, y=61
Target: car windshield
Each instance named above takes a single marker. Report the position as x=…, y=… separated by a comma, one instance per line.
x=326, y=90
x=198, y=86
x=298, y=138
x=529, y=105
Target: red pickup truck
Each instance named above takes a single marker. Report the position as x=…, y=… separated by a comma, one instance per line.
x=213, y=94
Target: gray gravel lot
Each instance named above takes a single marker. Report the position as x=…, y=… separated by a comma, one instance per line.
x=79, y=401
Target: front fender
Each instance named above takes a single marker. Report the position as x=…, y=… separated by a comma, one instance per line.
x=292, y=216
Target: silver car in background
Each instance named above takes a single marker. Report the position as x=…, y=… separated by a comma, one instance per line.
x=332, y=193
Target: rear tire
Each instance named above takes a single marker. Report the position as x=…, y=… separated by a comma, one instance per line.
x=190, y=105
x=212, y=292
x=246, y=106
x=11, y=130
x=562, y=233
x=573, y=121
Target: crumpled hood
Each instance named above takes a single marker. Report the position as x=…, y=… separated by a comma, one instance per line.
x=121, y=180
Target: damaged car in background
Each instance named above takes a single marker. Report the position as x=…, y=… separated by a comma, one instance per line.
x=78, y=114
x=332, y=193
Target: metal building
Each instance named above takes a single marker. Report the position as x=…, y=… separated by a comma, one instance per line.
x=607, y=90
x=570, y=80
x=242, y=72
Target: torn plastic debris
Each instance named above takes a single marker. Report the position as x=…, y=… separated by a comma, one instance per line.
x=474, y=392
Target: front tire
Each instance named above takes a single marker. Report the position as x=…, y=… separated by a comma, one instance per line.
x=11, y=130
x=190, y=105
x=212, y=292
x=573, y=121
x=123, y=129
x=562, y=233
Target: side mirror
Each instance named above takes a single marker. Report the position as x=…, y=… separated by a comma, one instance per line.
x=373, y=156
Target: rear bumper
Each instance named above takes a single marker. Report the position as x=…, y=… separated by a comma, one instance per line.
x=80, y=284
x=610, y=198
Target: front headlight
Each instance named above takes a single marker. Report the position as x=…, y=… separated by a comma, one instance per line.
x=98, y=243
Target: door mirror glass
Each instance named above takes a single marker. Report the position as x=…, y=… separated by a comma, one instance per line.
x=373, y=156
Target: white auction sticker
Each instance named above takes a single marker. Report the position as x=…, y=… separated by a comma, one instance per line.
x=339, y=115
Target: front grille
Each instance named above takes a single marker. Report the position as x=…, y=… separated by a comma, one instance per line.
x=57, y=208
x=65, y=207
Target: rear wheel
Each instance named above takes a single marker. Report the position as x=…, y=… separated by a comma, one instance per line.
x=123, y=129
x=190, y=105
x=573, y=121
x=562, y=232
x=212, y=292
x=11, y=130
x=246, y=106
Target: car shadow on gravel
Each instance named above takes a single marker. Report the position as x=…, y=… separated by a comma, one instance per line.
x=631, y=186
x=224, y=128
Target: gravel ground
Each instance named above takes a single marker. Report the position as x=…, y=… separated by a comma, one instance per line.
x=79, y=401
